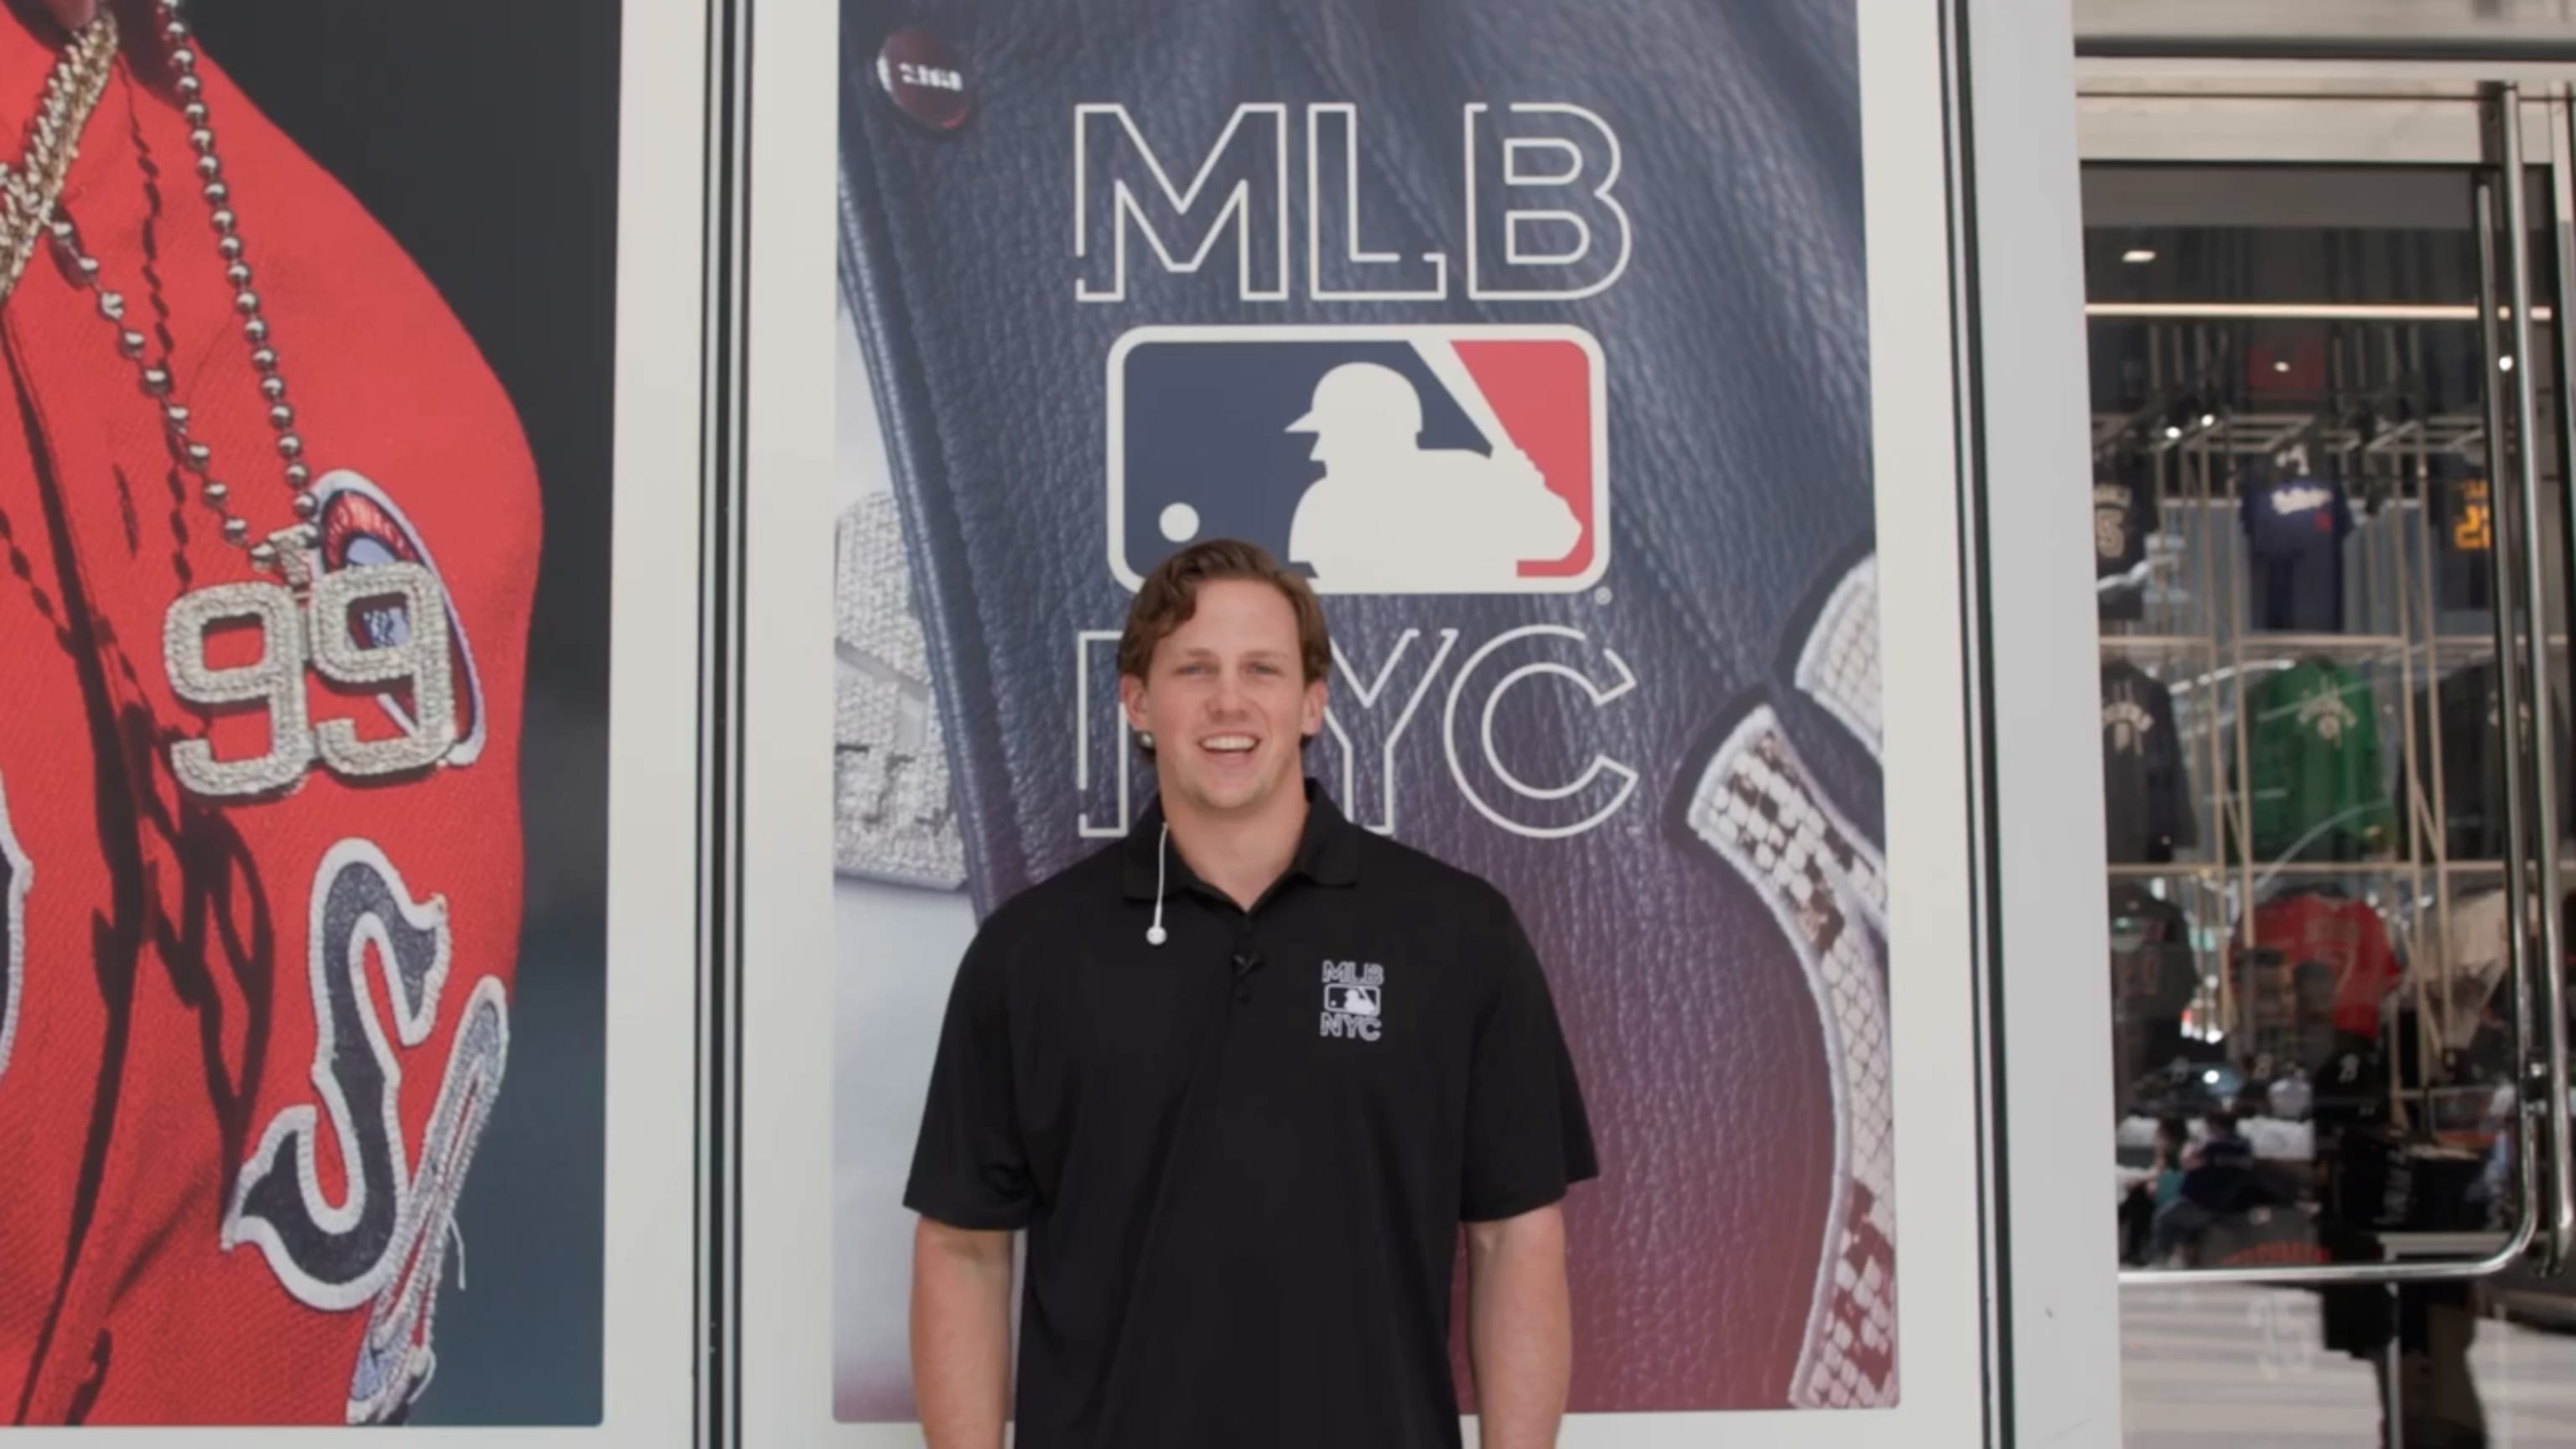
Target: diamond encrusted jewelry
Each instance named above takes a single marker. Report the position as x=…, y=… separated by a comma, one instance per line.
x=28, y=190
x=309, y=623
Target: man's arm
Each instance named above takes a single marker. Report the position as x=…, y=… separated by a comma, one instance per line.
x=961, y=1335
x=1519, y=1327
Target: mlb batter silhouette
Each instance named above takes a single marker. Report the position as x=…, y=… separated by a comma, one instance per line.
x=1389, y=514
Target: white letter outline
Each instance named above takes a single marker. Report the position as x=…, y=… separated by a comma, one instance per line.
x=1236, y=208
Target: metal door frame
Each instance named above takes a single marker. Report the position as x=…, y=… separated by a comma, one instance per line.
x=2448, y=115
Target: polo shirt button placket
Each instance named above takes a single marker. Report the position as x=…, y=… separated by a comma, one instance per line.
x=1247, y=959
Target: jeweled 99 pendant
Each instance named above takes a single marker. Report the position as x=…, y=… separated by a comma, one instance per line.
x=383, y=625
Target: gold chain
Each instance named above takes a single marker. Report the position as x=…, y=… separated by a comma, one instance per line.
x=28, y=191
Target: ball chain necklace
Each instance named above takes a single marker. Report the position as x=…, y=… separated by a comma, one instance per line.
x=27, y=207
x=305, y=621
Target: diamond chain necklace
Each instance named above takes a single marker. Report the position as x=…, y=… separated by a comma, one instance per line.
x=27, y=194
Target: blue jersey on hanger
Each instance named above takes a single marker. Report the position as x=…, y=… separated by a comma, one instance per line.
x=2295, y=526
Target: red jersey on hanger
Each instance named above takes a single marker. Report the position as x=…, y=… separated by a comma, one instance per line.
x=2342, y=934
x=256, y=1013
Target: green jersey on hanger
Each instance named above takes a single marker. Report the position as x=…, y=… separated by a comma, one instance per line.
x=2318, y=791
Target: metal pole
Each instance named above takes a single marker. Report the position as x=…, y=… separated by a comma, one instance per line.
x=2549, y=1073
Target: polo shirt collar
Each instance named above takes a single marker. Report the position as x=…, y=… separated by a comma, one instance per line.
x=1328, y=849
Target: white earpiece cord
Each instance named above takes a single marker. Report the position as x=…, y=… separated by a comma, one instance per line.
x=1155, y=935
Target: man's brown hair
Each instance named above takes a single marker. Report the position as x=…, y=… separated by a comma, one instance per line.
x=1169, y=596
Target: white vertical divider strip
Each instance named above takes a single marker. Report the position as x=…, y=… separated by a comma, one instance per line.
x=2060, y=1286
x=649, y=1350
x=783, y=1341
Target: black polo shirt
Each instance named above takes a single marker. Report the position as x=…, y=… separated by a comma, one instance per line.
x=1242, y=1156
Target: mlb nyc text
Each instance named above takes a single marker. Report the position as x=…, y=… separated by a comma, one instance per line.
x=1543, y=225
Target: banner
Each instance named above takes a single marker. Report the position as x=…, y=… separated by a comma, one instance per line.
x=306, y=320
x=1117, y=277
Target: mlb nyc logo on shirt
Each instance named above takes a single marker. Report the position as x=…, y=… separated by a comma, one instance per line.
x=1354, y=1000
x=1425, y=459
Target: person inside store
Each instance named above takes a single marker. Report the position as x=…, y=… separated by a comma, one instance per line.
x=2217, y=1182
x=2386, y=1175
x=1241, y=1077
x=2154, y=1191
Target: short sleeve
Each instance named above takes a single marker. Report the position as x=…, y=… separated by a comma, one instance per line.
x=1528, y=1138
x=969, y=1168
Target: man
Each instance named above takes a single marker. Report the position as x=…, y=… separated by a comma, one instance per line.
x=1391, y=513
x=1241, y=1076
x=262, y=896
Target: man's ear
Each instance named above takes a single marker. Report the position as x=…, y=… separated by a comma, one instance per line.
x=1311, y=722
x=1131, y=697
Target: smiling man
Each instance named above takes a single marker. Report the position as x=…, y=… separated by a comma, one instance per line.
x=1240, y=1077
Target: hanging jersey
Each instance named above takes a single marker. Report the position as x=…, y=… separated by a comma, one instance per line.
x=2146, y=797
x=2153, y=980
x=2124, y=516
x=2459, y=754
x=2295, y=526
x=2314, y=769
x=2319, y=966
x=2463, y=567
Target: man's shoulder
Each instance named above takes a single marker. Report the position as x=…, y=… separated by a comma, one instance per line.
x=1086, y=887
x=1425, y=877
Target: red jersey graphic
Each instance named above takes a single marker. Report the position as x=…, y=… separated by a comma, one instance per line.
x=257, y=1011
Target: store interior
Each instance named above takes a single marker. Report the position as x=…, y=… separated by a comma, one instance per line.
x=2321, y=550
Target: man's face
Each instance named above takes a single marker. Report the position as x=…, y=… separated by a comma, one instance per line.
x=1226, y=700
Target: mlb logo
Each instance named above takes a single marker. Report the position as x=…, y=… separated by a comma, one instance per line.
x=1352, y=1000
x=1377, y=460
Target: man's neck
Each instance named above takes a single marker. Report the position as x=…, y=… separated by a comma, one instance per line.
x=1241, y=855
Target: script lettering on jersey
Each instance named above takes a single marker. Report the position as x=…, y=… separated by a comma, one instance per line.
x=2300, y=498
x=377, y=963
x=1540, y=179
x=1512, y=731
x=2127, y=723
x=2324, y=711
x=2110, y=520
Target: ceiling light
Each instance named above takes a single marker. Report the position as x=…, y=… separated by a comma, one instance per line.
x=2504, y=364
x=2138, y=256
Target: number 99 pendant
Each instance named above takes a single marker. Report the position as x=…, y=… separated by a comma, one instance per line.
x=380, y=652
